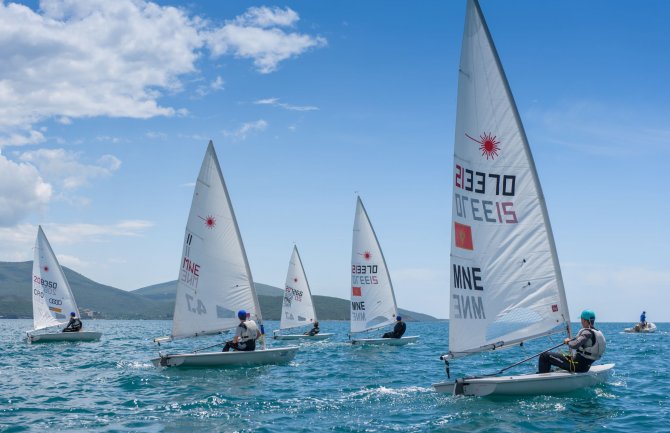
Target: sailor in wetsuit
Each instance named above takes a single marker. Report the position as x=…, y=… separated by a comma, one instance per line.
x=398, y=329
x=589, y=346
x=245, y=337
x=74, y=325
x=315, y=330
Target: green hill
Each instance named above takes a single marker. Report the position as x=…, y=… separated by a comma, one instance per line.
x=109, y=302
x=151, y=302
x=270, y=297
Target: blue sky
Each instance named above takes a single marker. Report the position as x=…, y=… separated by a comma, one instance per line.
x=106, y=109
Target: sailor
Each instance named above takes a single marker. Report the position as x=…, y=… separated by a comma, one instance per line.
x=315, y=330
x=398, y=329
x=74, y=325
x=643, y=319
x=246, y=334
x=589, y=346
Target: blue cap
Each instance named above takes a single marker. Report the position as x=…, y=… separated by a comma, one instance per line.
x=398, y=318
x=242, y=315
x=72, y=313
x=588, y=315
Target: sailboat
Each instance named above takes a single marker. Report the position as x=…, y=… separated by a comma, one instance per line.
x=506, y=285
x=214, y=279
x=297, y=306
x=373, y=304
x=52, y=298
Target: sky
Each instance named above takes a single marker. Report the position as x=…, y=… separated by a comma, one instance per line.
x=106, y=109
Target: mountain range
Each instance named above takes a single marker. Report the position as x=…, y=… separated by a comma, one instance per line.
x=151, y=302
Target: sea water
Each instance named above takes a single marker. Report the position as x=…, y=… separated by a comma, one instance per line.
x=111, y=386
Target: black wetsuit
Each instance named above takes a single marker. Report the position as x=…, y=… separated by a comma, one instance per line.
x=576, y=363
x=74, y=325
x=312, y=332
x=398, y=331
x=244, y=343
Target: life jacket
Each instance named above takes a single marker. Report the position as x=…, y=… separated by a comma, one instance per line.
x=595, y=350
x=249, y=332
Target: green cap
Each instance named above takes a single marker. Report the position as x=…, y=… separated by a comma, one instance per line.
x=588, y=315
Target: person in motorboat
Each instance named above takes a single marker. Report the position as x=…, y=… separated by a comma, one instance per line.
x=642, y=324
x=315, y=330
x=74, y=325
x=589, y=346
x=398, y=329
x=245, y=337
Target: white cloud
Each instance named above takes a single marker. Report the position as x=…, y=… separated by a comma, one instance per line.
x=275, y=102
x=21, y=138
x=267, y=17
x=602, y=130
x=214, y=86
x=154, y=135
x=71, y=261
x=247, y=128
x=94, y=58
x=64, y=169
x=16, y=242
x=22, y=191
x=73, y=59
x=255, y=35
x=618, y=291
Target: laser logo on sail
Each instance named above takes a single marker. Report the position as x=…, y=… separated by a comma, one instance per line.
x=209, y=220
x=488, y=144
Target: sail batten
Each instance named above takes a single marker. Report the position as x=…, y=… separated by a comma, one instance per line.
x=506, y=284
x=373, y=303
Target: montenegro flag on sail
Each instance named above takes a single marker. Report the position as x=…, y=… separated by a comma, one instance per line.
x=356, y=291
x=463, y=236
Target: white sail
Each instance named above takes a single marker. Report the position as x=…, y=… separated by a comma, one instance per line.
x=214, y=276
x=506, y=283
x=52, y=298
x=297, y=308
x=372, y=300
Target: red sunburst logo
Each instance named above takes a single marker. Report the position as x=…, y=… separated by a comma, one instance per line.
x=488, y=144
x=46, y=269
x=295, y=280
x=367, y=255
x=210, y=221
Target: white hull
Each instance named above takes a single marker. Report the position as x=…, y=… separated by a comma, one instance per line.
x=384, y=341
x=64, y=336
x=528, y=384
x=649, y=328
x=221, y=359
x=301, y=337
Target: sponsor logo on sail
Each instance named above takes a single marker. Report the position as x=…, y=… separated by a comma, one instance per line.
x=356, y=291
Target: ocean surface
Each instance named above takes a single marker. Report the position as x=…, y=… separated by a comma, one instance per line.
x=110, y=386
